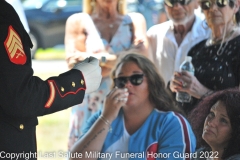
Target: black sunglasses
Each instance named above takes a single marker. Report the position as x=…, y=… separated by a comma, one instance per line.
x=135, y=80
x=170, y=3
x=207, y=4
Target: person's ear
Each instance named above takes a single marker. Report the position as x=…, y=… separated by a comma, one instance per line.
x=236, y=6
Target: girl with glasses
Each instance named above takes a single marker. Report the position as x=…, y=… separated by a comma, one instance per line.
x=216, y=59
x=137, y=120
x=217, y=126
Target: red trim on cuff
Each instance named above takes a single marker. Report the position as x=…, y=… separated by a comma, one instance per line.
x=52, y=94
x=67, y=92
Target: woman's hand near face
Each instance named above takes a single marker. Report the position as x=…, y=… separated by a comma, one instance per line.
x=186, y=82
x=94, y=138
x=114, y=101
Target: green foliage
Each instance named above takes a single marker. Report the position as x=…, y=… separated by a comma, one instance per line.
x=52, y=135
x=50, y=53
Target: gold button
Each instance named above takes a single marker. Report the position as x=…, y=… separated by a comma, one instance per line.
x=62, y=89
x=82, y=82
x=73, y=84
x=21, y=126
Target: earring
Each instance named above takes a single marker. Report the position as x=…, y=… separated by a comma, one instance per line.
x=204, y=24
x=93, y=3
x=234, y=19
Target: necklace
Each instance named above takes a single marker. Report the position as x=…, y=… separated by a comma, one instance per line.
x=110, y=25
x=224, y=41
x=213, y=41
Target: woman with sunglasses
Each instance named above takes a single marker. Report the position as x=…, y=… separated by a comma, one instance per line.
x=217, y=126
x=137, y=118
x=217, y=59
x=103, y=30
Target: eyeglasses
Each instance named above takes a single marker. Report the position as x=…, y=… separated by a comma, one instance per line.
x=207, y=4
x=170, y=3
x=135, y=80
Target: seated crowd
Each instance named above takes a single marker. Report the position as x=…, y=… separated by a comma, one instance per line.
x=138, y=116
x=140, y=113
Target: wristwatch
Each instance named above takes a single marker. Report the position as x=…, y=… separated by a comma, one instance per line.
x=103, y=61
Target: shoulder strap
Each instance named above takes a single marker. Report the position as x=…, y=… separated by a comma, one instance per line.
x=93, y=42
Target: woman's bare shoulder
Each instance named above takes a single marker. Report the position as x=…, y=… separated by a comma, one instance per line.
x=78, y=17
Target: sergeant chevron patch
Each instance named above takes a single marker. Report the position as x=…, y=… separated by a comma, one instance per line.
x=14, y=47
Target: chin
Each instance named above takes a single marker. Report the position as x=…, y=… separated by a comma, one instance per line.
x=130, y=104
x=207, y=137
x=180, y=21
x=215, y=22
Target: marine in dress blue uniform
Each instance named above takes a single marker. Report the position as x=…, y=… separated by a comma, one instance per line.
x=24, y=97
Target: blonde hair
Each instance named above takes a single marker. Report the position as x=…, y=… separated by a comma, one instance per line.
x=88, y=6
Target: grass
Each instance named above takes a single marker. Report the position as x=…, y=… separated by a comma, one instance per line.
x=52, y=130
x=50, y=53
x=52, y=135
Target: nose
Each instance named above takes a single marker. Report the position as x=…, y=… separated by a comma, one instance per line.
x=212, y=122
x=176, y=5
x=213, y=6
x=128, y=84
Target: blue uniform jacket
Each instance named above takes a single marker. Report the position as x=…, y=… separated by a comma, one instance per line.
x=24, y=97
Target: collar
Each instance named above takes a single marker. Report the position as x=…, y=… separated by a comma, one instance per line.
x=196, y=31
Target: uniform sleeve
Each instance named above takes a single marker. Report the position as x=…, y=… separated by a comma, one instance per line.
x=178, y=139
x=25, y=95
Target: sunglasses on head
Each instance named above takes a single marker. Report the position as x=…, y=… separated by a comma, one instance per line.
x=135, y=80
x=207, y=4
x=170, y=3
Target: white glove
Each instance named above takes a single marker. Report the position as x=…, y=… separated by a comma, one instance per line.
x=92, y=73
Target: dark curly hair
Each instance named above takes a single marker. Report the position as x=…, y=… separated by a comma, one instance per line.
x=159, y=96
x=231, y=99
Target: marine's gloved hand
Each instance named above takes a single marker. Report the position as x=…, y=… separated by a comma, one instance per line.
x=92, y=73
